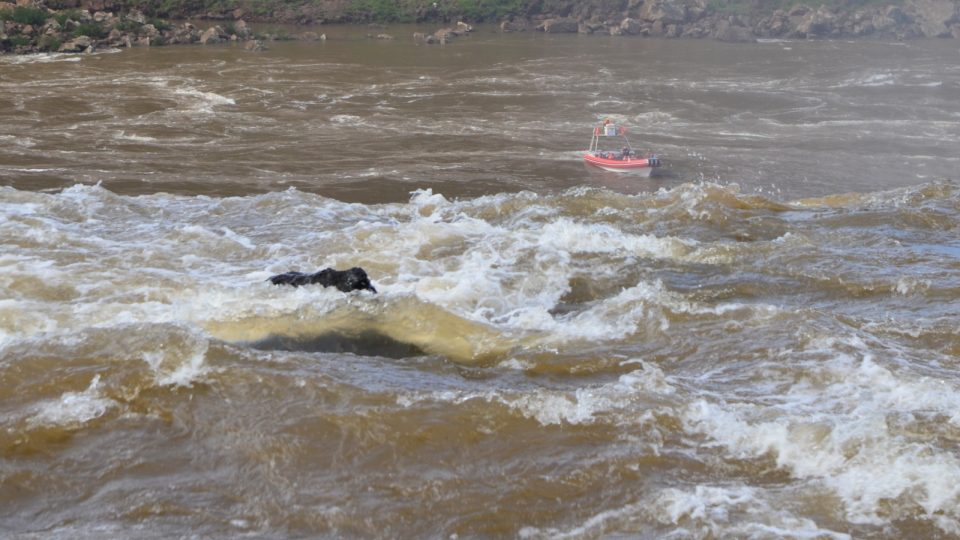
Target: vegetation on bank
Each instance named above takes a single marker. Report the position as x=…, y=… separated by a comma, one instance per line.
x=766, y=7
x=348, y=11
x=24, y=15
x=386, y=11
x=445, y=10
x=383, y=11
x=83, y=25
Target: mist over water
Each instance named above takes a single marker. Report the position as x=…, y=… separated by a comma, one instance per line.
x=759, y=341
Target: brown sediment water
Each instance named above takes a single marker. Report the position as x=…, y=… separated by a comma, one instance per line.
x=760, y=340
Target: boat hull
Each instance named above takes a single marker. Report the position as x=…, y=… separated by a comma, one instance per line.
x=632, y=165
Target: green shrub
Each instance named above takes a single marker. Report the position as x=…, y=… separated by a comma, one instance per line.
x=30, y=15
x=128, y=26
x=471, y=10
x=225, y=5
x=49, y=43
x=19, y=41
x=732, y=7
x=67, y=15
x=482, y=10
x=25, y=15
x=508, y=8
x=92, y=30
x=376, y=10
x=169, y=6
x=160, y=24
x=179, y=8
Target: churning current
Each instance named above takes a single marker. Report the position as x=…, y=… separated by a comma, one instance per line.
x=761, y=340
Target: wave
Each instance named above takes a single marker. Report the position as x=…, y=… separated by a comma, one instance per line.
x=60, y=383
x=43, y=58
x=808, y=345
x=474, y=281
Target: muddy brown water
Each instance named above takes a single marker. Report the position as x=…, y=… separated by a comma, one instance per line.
x=761, y=340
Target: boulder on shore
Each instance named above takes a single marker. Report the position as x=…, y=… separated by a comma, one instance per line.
x=211, y=35
x=78, y=44
x=666, y=11
x=937, y=18
x=733, y=33
x=559, y=26
x=630, y=27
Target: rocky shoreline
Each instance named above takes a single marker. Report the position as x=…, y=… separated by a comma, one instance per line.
x=31, y=26
x=677, y=19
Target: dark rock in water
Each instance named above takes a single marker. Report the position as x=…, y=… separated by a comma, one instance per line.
x=254, y=45
x=354, y=279
x=362, y=343
x=447, y=34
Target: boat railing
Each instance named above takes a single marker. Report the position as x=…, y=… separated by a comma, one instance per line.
x=608, y=129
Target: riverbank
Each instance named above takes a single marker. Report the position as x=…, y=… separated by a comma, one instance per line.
x=31, y=26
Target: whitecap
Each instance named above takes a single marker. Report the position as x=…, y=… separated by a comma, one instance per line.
x=837, y=433
x=73, y=408
x=197, y=100
x=41, y=58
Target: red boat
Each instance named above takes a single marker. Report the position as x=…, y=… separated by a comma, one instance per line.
x=624, y=159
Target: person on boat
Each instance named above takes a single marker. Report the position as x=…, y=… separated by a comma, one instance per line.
x=625, y=152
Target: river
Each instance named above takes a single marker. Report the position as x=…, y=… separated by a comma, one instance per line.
x=760, y=340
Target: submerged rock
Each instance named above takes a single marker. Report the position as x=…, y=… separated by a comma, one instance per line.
x=254, y=45
x=354, y=279
x=444, y=35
